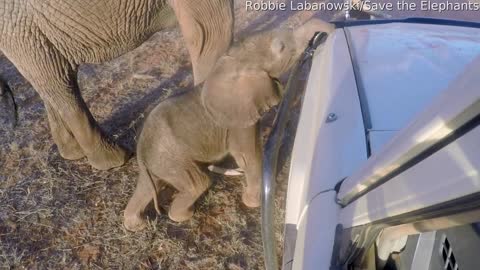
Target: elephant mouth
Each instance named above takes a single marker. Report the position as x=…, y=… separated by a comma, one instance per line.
x=268, y=106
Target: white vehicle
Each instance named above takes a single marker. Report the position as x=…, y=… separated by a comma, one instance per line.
x=385, y=165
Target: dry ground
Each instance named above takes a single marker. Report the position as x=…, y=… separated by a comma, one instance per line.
x=57, y=214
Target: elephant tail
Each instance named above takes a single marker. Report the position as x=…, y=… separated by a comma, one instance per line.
x=7, y=101
x=154, y=188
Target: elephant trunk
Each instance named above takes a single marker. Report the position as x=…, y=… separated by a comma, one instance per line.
x=295, y=43
x=207, y=27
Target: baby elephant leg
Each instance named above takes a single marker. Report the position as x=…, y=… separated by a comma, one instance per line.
x=145, y=191
x=190, y=182
x=246, y=149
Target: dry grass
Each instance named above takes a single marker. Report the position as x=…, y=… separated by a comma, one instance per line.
x=63, y=215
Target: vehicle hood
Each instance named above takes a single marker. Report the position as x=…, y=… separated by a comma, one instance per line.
x=401, y=67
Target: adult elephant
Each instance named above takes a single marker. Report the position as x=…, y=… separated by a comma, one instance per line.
x=48, y=39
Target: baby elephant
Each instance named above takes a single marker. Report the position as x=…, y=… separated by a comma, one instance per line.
x=215, y=119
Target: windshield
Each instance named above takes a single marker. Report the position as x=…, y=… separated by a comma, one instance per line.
x=466, y=10
x=443, y=9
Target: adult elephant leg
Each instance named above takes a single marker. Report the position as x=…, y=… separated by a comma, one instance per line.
x=62, y=136
x=67, y=105
x=207, y=27
x=54, y=78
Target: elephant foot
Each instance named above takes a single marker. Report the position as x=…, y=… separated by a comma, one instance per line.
x=134, y=223
x=180, y=215
x=108, y=157
x=251, y=200
x=71, y=151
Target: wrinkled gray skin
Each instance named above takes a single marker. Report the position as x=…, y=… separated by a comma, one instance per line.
x=215, y=119
x=48, y=39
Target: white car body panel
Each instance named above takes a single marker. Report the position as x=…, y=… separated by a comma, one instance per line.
x=445, y=175
x=402, y=122
x=446, y=113
x=316, y=233
x=417, y=54
x=379, y=138
x=403, y=66
x=339, y=147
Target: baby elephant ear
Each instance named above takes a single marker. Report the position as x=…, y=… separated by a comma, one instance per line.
x=238, y=98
